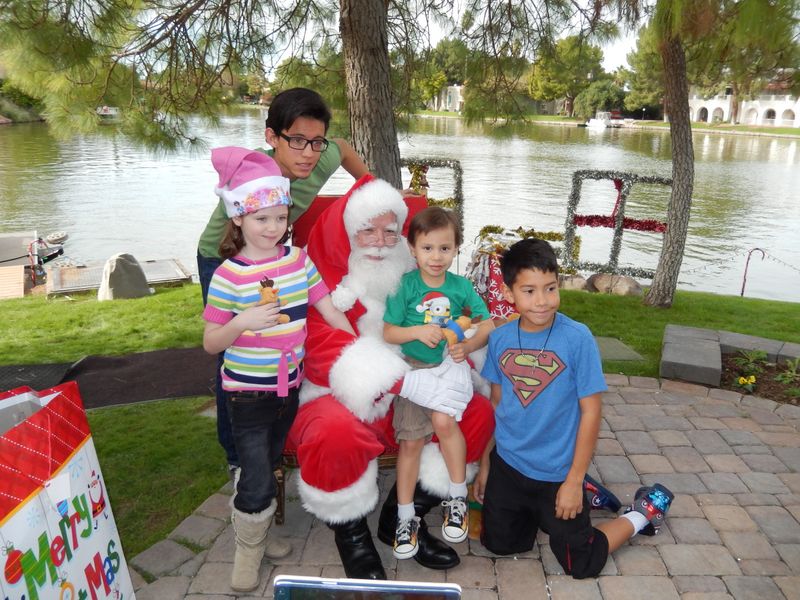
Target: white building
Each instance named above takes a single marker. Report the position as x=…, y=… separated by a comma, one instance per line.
x=778, y=109
x=450, y=98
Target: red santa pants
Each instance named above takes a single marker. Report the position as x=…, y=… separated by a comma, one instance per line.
x=335, y=450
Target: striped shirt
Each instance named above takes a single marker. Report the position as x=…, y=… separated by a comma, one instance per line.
x=270, y=359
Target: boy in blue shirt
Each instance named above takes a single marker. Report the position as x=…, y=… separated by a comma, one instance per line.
x=547, y=380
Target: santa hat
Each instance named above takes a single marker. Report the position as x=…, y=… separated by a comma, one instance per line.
x=427, y=299
x=248, y=180
x=329, y=240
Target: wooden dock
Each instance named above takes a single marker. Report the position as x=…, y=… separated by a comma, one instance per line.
x=14, y=248
x=65, y=280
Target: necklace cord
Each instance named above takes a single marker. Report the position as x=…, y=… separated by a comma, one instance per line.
x=544, y=346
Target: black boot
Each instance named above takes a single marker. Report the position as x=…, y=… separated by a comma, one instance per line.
x=359, y=556
x=433, y=553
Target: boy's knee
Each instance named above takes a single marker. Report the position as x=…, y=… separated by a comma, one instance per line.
x=581, y=555
x=412, y=446
x=503, y=546
x=444, y=425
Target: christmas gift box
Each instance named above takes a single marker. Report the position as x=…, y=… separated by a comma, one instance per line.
x=58, y=538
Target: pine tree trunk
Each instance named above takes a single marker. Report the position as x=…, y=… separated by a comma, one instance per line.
x=365, y=46
x=734, y=104
x=665, y=281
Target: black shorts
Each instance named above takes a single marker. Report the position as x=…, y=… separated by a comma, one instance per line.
x=515, y=507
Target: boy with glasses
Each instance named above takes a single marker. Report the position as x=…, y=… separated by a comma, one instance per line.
x=296, y=126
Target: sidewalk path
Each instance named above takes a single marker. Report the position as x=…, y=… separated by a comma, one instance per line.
x=733, y=531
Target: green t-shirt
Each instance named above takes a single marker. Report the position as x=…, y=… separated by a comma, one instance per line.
x=303, y=192
x=415, y=303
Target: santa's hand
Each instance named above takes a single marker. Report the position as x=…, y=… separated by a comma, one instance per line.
x=446, y=388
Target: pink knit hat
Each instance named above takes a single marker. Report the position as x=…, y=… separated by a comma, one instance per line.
x=249, y=180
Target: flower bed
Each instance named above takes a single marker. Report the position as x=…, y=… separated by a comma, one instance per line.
x=749, y=373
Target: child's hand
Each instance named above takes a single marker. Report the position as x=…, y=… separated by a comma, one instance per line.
x=257, y=318
x=458, y=352
x=569, y=500
x=429, y=334
x=479, y=485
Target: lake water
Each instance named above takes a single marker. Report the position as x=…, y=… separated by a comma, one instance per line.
x=112, y=196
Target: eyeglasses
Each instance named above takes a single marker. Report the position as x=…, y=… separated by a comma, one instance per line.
x=370, y=237
x=297, y=142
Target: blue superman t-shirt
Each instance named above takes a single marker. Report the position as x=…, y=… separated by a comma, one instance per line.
x=538, y=414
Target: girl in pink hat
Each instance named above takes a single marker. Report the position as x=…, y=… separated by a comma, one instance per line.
x=256, y=314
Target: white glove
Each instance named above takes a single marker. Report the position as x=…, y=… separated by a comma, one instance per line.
x=446, y=388
x=346, y=293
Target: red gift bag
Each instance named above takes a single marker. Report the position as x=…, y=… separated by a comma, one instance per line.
x=58, y=535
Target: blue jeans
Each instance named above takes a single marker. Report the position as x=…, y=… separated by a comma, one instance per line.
x=205, y=270
x=260, y=422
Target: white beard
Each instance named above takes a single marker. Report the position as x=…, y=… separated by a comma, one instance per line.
x=379, y=278
x=376, y=280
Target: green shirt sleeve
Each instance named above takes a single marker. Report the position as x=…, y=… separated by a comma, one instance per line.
x=474, y=301
x=395, y=313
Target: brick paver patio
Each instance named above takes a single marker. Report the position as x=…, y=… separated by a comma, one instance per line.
x=733, y=531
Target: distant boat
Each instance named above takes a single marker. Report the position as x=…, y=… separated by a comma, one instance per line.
x=107, y=113
x=596, y=123
x=602, y=120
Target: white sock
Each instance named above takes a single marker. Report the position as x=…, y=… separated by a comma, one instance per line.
x=637, y=519
x=458, y=489
x=405, y=511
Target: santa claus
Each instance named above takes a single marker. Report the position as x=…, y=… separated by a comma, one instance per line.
x=344, y=422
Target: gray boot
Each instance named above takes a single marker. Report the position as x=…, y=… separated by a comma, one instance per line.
x=251, y=541
x=275, y=548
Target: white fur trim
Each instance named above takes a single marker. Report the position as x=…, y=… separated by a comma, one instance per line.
x=343, y=298
x=371, y=200
x=311, y=391
x=363, y=374
x=347, y=504
x=433, y=476
x=479, y=384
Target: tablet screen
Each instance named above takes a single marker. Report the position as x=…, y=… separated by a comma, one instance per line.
x=289, y=587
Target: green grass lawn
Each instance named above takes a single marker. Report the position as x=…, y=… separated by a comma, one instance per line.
x=160, y=460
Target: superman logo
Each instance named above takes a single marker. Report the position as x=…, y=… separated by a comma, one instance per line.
x=530, y=373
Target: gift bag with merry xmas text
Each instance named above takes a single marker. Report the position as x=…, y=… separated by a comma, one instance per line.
x=58, y=538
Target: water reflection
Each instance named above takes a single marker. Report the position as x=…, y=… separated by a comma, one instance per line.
x=112, y=196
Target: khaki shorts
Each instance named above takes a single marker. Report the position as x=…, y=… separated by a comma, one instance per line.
x=411, y=421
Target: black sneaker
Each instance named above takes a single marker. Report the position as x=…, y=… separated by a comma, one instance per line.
x=405, y=538
x=456, y=524
x=653, y=502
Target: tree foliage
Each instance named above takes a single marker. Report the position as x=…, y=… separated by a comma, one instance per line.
x=646, y=76
x=451, y=57
x=600, y=95
x=565, y=73
x=322, y=70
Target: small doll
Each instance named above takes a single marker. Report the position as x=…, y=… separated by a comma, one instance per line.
x=269, y=294
x=455, y=329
